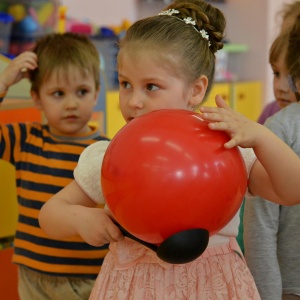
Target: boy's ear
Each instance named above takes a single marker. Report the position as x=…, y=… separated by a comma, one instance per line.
x=198, y=90
x=97, y=93
x=36, y=100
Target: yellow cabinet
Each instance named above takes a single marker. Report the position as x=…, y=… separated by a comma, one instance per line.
x=8, y=200
x=244, y=97
x=114, y=118
x=218, y=88
x=247, y=98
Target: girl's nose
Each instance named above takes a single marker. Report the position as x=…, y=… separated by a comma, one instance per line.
x=136, y=100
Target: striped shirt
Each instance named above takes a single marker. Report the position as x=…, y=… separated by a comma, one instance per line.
x=44, y=165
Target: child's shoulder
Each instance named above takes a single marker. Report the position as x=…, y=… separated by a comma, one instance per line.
x=289, y=111
x=25, y=126
x=95, y=149
x=93, y=155
x=287, y=117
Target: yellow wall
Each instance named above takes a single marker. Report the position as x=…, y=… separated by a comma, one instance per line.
x=8, y=200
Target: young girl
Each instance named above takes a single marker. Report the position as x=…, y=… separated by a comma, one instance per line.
x=283, y=94
x=167, y=61
x=288, y=15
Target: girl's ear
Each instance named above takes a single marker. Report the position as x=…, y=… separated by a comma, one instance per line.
x=36, y=100
x=198, y=90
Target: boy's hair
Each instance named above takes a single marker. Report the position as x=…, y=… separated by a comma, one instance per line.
x=182, y=45
x=293, y=56
x=57, y=52
x=278, y=47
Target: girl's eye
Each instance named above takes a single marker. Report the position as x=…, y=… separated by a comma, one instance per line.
x=276, y=74
x=82, y=92
x=152, y=87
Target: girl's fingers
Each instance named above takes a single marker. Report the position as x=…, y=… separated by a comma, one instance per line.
x=232, y=143
x=224, y=126
x=221, y=102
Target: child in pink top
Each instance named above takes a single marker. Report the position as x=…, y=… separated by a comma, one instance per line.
x=168, y=61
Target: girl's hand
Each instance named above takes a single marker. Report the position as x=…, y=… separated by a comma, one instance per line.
x=97, y=228
x=242, y=131
x=17, y=69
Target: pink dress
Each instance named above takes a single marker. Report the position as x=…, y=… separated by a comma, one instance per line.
x=133, y=272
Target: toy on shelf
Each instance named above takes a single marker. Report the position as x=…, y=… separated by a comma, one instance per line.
x=225, y=69
x=32, y=19
x=106, y=40
x=5, y=31
x=61, y=23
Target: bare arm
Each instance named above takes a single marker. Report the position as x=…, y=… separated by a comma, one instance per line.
x=275, y=173
x=71, y=212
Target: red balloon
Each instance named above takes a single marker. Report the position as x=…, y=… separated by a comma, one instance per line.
x=166, y=172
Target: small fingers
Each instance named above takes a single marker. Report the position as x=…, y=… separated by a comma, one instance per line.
x=209, y=109
x=223, y=126
x=228, y=128
x=25, y=61
x=216, y=113
x=213, y=117
x=231, y=144
x=221, y=102
x=114, y=232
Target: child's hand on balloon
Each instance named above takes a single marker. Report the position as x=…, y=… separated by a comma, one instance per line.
x=242, y=131
x=98, y=228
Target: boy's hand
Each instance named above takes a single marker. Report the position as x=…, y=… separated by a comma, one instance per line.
x=243, y=132
x=17, y=70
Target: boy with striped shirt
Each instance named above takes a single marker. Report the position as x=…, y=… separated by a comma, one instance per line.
x=64, y=73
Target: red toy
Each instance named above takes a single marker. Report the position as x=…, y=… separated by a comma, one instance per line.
x=166, y=172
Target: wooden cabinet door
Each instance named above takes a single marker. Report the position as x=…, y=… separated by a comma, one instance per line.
x=247, y=98
x=8, y=200
x=114, y=118
x=8, y=276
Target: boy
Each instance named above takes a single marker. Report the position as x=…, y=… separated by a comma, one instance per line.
x=64, y=74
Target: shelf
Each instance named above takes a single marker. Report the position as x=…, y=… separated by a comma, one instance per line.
x=235, y=48
x=13, y=103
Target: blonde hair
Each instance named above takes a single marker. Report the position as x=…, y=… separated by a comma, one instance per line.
x=168, y=36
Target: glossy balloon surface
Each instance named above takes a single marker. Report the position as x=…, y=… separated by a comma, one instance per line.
x=166, y=171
